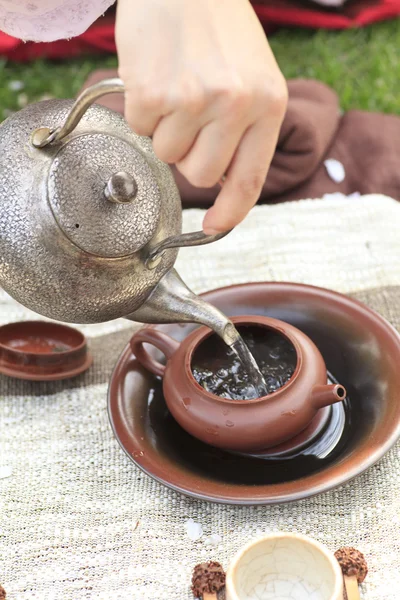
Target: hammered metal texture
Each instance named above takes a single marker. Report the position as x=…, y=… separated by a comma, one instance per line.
x=78, y=177
x=39, y=265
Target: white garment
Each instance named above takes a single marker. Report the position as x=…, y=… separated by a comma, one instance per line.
x=49, y=20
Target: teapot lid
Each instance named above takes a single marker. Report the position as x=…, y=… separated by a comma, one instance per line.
x=104, y=195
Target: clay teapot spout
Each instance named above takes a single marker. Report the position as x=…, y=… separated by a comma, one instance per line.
x=325, y=395
x=173, y=302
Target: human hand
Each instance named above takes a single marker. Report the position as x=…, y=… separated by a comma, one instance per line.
x=201, y=79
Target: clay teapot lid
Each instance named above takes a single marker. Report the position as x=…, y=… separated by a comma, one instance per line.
x=42, y=351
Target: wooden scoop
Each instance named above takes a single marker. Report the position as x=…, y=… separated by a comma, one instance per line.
x=354, y=568
x=208, y=580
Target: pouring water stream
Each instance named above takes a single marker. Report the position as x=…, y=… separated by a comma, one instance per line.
x=173, y=302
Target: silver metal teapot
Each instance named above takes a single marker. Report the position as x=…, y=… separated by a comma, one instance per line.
x=90, y=219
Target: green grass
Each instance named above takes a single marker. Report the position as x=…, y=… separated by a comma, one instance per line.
x=362, y=65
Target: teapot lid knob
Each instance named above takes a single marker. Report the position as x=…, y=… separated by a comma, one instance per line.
x=121, y=188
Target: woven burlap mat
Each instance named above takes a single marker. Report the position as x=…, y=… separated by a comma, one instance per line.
x=79, y=521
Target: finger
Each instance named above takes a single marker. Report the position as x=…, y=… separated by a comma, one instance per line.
x=245, y=177
x=149, y=103
x=144, y=109
x=211, y=153
x=175, y=135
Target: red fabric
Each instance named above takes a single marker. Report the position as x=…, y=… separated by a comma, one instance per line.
x=98, y=38
x=272, y=13
x=305, y=14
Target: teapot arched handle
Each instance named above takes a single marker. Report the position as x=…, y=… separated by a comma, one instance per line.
x=195, y=238
x=44, y=136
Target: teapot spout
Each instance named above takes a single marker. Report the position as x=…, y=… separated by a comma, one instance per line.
x=173, y=302
x=325, y=395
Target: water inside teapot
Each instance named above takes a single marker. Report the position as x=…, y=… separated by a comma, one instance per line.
x=241, y=351
x=258, y=364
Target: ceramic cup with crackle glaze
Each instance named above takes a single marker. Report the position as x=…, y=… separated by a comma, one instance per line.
x=284, y=566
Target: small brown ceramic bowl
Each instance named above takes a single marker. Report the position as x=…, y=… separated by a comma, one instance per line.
x=240, y=425
x=42, y=351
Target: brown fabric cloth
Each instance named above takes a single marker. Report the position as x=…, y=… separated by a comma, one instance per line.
x=367, y=144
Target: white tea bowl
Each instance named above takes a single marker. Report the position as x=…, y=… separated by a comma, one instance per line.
x=284, y=566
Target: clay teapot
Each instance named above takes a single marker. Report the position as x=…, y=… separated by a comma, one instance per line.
x=240, y=425
x=91, y=220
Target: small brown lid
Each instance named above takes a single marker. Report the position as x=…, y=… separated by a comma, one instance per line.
x=42, y=351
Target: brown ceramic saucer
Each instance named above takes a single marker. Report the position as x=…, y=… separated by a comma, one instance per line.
x=360, y=349
x=42, y=351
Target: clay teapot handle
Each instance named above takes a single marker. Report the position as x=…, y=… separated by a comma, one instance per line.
x=44, y=136
x=163, y=342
